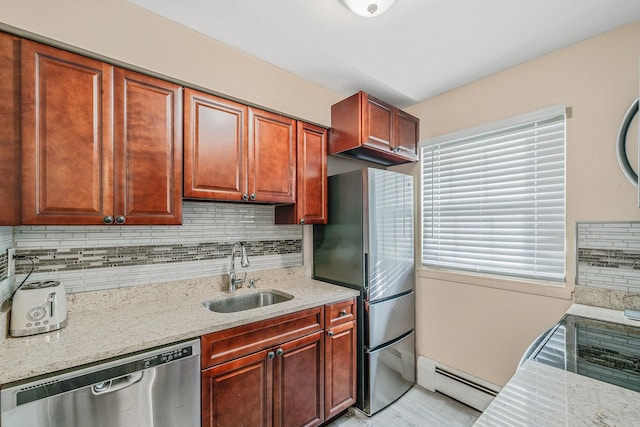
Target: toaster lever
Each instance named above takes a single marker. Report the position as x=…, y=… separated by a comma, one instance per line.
x=52, y=303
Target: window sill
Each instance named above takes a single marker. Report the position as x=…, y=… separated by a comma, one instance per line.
x=512, y=285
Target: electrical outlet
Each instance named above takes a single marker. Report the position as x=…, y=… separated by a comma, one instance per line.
x=11, y=262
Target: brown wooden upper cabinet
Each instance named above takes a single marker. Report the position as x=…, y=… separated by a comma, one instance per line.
x=10, y=129
x=233, y=152
x=100, y=145
x=311, y=191
x=367, y=128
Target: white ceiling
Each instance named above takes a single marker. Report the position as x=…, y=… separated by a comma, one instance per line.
x=416, y=50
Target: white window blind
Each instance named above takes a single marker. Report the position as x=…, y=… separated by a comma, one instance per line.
x=494, y=198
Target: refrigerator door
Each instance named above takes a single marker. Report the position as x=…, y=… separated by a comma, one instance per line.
x=388, y=319
x=338, y=247
x=390, y=233
x=390, y=371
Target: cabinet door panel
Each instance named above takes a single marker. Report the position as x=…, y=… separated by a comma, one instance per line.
x=408, y=131
x=67, y=146
x=10, y=193
x=238, y=393
x=299, y=383
x=312, y=174
x=148, y=143
x=272, y=157
x=215, y=147
x=340, y=369
x=311, y=179
x=377, y=123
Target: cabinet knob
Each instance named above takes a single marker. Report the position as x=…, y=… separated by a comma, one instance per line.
x=271, y=355
x=252, y=196
x=330, y=333
x=343, y=312
x=120, y=219
x=301, y=220
x=107, y=219
x=245, y=196
x=279, y=352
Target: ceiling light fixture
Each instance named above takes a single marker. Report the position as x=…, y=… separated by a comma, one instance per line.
x=369, y=8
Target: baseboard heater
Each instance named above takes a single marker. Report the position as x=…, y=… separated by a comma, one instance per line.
x=463, y=387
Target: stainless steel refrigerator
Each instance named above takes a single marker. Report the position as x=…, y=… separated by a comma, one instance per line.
x=368, y=245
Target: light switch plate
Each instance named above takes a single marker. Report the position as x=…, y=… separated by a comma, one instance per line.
x=11, y=262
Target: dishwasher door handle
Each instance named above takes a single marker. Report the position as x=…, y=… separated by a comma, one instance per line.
x=116, y=384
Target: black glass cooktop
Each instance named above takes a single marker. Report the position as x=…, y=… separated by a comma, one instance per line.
x=601, y=350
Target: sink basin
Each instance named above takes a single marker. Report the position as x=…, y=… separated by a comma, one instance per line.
x=247, y=301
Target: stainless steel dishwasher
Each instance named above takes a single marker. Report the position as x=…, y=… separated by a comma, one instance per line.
x=155, y=388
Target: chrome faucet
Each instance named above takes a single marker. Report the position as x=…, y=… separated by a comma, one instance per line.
x=234, y=282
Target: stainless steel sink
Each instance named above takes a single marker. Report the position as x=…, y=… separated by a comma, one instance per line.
x=247, y=301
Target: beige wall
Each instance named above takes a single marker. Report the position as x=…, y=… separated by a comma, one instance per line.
x=127, y=33
x=484, y=330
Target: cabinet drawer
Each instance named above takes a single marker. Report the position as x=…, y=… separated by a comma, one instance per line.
x=229, y=344
x=340, y=312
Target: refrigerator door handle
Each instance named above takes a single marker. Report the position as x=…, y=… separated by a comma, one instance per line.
x=366, y=273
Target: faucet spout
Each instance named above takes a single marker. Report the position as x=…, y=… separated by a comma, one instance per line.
x=234, y=282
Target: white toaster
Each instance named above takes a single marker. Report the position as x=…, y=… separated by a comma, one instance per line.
x=38, y=307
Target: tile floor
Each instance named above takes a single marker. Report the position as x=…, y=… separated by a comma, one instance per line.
x=417, y=408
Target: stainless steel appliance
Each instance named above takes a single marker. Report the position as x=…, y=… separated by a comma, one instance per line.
x=38, y=307
x=368, y=245
x=605, y=351
x=156, y=388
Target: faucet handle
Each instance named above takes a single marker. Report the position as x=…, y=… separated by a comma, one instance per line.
x=252, y=282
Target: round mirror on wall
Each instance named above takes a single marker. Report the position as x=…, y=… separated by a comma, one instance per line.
x=628, y=153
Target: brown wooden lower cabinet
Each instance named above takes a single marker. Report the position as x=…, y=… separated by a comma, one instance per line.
x=292, y=373
x=340, y=367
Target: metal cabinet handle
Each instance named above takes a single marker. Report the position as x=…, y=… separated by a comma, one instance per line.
x=271, y=355
x=343, y=312
x=245, y=196
x=107, y=219
x=330, y=333
x=120, y=219
x=279, y=352
x=252, y=196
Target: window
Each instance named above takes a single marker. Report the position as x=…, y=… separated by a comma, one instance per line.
x=494, y=198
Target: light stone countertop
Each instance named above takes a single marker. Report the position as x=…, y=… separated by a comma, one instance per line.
x=117, y=322
x=542, y=395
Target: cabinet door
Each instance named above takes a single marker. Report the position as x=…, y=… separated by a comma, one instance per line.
x=340, y=368
x=298, y=383
x=377, y=123
x=215, y=150
x=272, y=157
x=311, y=178
x=148, y=150
x=407, y=135
x=67, y=143
x=239, y=393
x=340, y=357
x=10, y=129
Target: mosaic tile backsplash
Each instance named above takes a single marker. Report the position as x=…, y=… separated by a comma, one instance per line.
x=608, y=256
x=87, y=258
x=6, y=283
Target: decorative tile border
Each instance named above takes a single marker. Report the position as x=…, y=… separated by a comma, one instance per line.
x=609, y=258
x=58, y=260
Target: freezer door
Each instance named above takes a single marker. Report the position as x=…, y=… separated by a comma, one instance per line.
x=390, y=234
x=389, y=372
x=388, y=319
